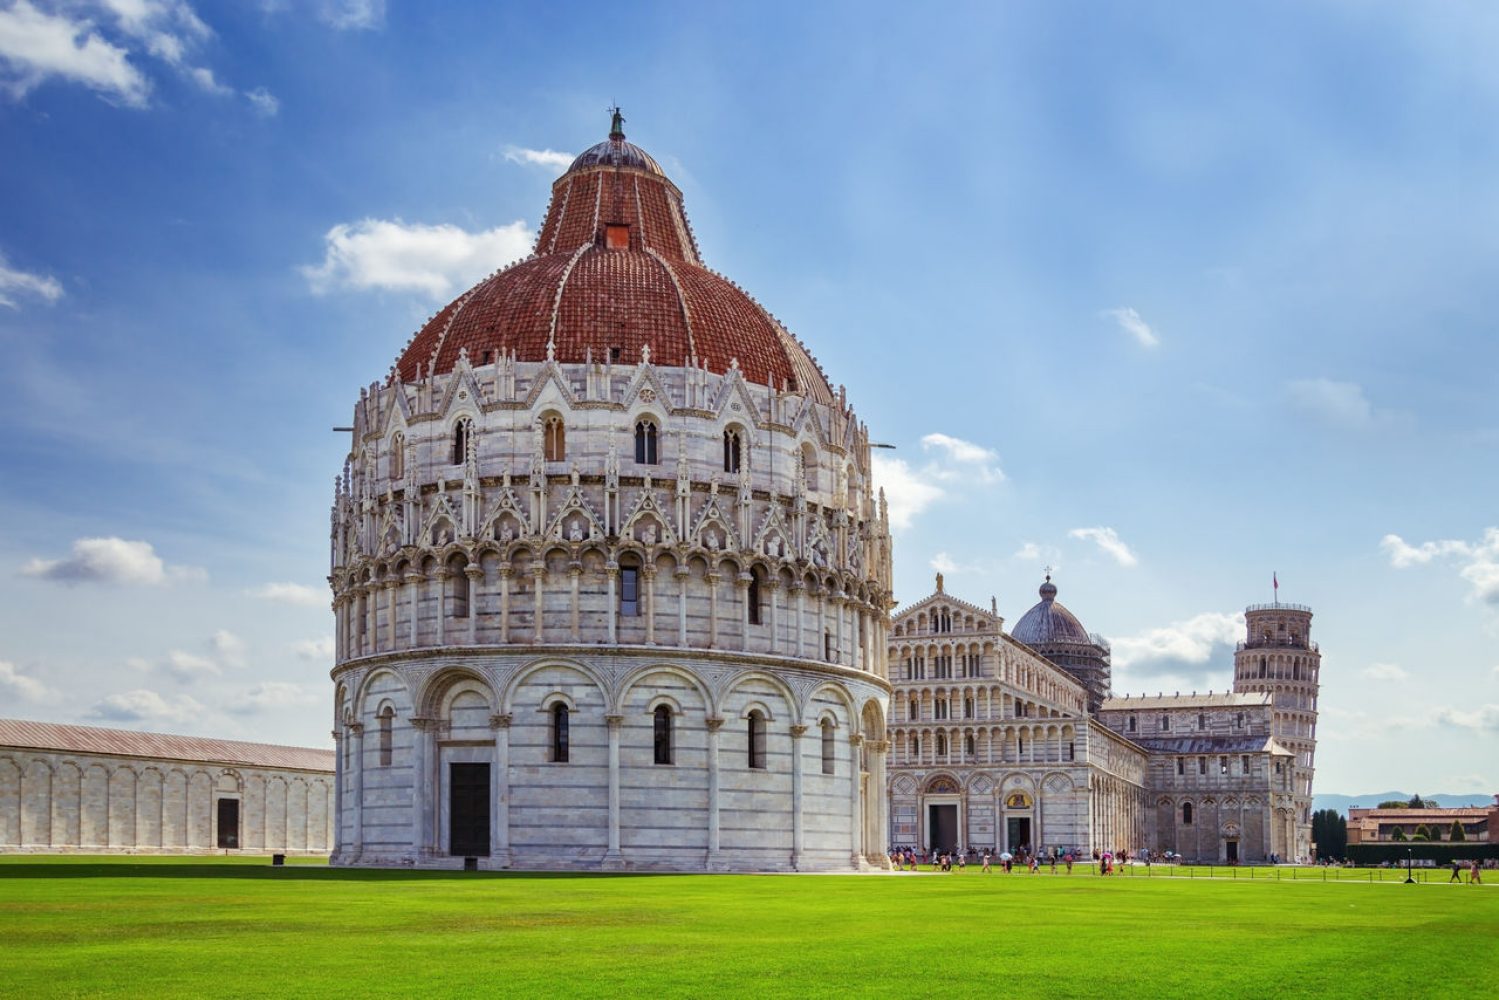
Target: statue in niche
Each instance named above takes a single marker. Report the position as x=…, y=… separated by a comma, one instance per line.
x=611, y=468
x=506, y=533
x=818, y=558
x=710, y=539
x=575, y=533
x=648, y=534
x=773, y=547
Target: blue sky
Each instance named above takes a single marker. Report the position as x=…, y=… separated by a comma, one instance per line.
x=1169, y=297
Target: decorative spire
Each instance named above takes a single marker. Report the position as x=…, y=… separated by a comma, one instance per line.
x=616, y=123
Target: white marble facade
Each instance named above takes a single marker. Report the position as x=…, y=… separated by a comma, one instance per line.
x=57, y=798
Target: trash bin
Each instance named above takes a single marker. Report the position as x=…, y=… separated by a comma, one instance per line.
x=278, y=859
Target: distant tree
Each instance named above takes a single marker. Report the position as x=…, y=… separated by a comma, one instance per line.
x=1399, y=834
x=1330, y=831
x=1394, y=804
x=1422, y=832
x=1457, y=831
x=1416, y=802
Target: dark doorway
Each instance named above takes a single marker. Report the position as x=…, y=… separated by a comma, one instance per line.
x=942, y=827
x=468, y=810
x=1018, y=833
x=229, y=823
x=1233, y=852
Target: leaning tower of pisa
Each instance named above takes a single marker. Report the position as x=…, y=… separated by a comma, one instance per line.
x=1278, y=656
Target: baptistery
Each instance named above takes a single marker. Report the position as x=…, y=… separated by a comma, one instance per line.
x=610, y=580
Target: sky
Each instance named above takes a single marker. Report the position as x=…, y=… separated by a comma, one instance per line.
x=1169, y=298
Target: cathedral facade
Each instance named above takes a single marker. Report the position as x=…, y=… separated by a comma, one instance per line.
x=611, y=587
x=1016, y=742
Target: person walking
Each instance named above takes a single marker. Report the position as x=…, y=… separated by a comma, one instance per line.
x=1456, y=872
x=987, y=869
x=1474, y=878
x=1068, y=859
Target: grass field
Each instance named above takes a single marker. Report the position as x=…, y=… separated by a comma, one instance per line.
x=193, y=927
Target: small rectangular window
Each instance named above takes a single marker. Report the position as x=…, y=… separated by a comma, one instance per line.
x=1202, y=765
x=1222, y=765
x=1181, y=765
x=1244, y=761
x=616, y=236
x=629, y=592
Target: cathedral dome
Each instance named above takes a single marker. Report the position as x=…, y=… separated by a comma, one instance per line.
x=1049, y=622
x=615, y=271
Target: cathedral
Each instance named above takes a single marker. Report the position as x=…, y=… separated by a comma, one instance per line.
x=610, y=584
x=612, y=590
x=1015, y=741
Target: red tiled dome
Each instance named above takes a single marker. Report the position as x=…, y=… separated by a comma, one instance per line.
x=615, y=269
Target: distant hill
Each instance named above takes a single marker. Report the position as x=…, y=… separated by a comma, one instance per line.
x=1342, y=802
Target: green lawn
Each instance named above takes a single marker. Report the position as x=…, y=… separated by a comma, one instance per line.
x=194, y=927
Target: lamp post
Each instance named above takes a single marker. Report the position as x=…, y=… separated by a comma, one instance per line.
x=1409, y=878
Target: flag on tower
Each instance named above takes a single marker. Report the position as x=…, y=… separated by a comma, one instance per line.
x=1275, y=580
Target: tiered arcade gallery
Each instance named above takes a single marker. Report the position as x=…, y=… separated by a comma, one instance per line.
x=610, y=584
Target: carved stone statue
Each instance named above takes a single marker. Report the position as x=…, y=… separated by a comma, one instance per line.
x=773, y=547
x=575, y=533
x=710, y=539
x=648, y=536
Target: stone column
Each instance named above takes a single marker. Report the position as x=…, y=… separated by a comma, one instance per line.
x=414, y=598
x=881, y=846
x=339, y=775
x=538, y=574
x=612, y=857
x=837, y=601
x=442, y=605
x=682, y=574
x=713, y=580
x=575, y=575
x=714, y=725
x=856, y=805
x=741, y=584
x=611, y=569
x=499, y=793
x=774, y=587
x=800, y=590
x=475, y=576
x=648, y=573
x=421, y=791
x=372, y=617
x=797, y=837
x=505, y=572
x=391, y=589
x=356, y=733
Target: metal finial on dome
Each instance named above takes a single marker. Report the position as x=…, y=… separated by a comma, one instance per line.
x=1048, y=589
x=616, y=123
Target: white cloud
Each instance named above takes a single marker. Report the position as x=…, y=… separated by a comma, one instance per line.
x=949, y=460
x=276, y=694
x=263, y=102
x=1182, y=651
x=1342, y=404
x=111, y=560
x=1479, y=561
x=1028, y=551
x=316, y=650
x=539, y=158
x=36, y=46
x=14, y=282
x=907, y=493
x=228, y=647
x=352, y=15
x=1484, y=718
x=1131, y=323
x=958, y=459
x=291, y=593
x=1108, y=540
x=943, y=563
x=144, y=706
x=1386, y=672
x=21, y=686
x=433, y=260
x=204, y=78
x=188, y=666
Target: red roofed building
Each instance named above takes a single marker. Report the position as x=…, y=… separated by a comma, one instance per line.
x=610, y=578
